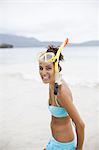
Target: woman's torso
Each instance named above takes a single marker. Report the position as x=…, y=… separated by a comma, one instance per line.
x=61, y=127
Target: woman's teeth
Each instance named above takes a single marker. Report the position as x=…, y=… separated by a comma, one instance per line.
x=45, y=77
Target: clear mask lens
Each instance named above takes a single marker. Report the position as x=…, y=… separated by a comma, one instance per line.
x=46, y=56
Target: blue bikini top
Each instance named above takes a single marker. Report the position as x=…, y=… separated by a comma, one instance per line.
x=57, y=111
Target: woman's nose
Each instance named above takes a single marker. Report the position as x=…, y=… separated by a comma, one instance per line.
x=44, y=72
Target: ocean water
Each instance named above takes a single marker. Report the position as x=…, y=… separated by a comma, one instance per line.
x=81, y=65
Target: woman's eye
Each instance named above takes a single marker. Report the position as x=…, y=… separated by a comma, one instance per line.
x=40, y=68
x=49, y=68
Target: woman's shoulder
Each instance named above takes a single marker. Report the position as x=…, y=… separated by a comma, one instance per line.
x=64, y=88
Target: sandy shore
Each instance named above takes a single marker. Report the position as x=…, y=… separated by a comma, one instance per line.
x=25, y=119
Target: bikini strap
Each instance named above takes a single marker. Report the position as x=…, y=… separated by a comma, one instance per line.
x=56, y=100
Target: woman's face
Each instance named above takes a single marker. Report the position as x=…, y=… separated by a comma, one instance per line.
x=47, y=72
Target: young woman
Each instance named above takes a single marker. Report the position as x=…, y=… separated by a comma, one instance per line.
x=61, y=107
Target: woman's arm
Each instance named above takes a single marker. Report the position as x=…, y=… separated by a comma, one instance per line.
x=65, y=98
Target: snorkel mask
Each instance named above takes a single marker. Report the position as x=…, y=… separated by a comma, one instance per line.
x=47, y=56
x=51, y=57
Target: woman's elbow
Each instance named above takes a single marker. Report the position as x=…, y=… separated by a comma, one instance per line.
x=81, y=125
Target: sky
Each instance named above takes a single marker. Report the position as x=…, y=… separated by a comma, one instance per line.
x=51, y=19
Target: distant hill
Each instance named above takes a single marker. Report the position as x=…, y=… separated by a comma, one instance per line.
x=87, y=43
x=18, y=41
x=21, y=41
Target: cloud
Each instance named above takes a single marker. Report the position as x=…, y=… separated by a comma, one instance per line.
x=50, y=19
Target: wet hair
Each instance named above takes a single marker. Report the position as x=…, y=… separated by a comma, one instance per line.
x=52, y=48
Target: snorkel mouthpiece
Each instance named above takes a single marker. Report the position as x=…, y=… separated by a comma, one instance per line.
x=58, y=81
x=55, y=88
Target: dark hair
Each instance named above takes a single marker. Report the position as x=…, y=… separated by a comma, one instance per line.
x=52, y=48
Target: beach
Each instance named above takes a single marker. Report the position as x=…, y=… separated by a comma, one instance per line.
x=24, y=115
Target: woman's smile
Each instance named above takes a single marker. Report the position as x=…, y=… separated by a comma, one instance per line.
x=46, y=77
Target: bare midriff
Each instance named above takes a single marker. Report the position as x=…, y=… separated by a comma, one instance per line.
x=62, y=129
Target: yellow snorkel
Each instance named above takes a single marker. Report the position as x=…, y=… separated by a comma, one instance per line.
x=56, y=60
